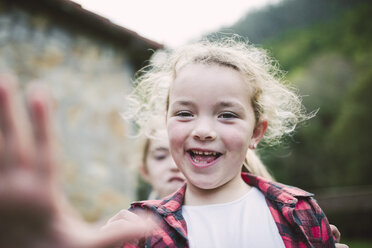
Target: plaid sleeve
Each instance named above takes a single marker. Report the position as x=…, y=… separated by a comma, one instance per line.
x=166, y=235
x=313, y=223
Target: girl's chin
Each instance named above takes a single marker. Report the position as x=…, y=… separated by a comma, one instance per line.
x=203, y=184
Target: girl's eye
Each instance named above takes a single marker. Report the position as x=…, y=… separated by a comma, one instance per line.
x=183, y=114
x=160, y=157
x=228, y=115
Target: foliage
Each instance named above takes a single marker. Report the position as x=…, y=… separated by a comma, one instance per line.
x=270, y=22
x=331, y=66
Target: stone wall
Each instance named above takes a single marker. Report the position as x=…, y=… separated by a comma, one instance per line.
x=88, y=77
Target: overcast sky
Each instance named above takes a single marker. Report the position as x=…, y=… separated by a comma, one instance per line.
x=172, y=22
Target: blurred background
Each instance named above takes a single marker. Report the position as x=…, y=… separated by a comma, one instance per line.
x=89, y=62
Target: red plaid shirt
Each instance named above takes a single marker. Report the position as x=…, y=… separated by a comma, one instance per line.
x=300, y=221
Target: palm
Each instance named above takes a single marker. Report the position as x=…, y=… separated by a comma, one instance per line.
x=32, y=212
x=26, y=209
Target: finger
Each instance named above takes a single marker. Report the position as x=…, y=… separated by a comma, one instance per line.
x=38, y=101
x=336, y=233
x=122, y=232
x=123, y=214
x=128, y=228
x=14, y=127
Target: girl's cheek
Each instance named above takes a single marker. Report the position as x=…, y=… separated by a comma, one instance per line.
x=177, y=133
x=175, y=139
x=173, y=126
x=234, y=138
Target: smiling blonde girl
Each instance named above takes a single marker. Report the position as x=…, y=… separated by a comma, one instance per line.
x=220, y=100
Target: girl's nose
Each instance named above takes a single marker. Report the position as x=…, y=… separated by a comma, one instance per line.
x=204, y=132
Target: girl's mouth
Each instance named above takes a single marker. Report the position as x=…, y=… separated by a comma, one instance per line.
x=176, y=179
x=203, y=158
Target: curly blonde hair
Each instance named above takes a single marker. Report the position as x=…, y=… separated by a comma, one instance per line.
x=273, y=99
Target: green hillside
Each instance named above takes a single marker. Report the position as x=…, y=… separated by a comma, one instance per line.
x=331, y=64
x=273, y=20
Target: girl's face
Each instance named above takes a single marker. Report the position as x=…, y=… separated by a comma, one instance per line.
x=211, y=124
x=161, y=171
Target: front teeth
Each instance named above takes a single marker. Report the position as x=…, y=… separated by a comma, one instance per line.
x=205, y=153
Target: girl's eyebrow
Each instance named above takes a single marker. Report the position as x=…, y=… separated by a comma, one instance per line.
x=220, y=104
x=183, y=103
x=162, y=149
x=228, y=104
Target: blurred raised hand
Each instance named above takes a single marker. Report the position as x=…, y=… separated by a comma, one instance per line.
x=33, y=212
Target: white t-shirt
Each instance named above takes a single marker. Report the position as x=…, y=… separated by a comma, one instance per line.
x=245, y=222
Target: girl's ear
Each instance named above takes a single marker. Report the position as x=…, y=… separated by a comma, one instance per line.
x=258, y=132
x=144, y=174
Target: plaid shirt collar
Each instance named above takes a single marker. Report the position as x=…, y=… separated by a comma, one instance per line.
x=276, y=191
x=300, y=221
x=272, y=190
x=170, y=208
